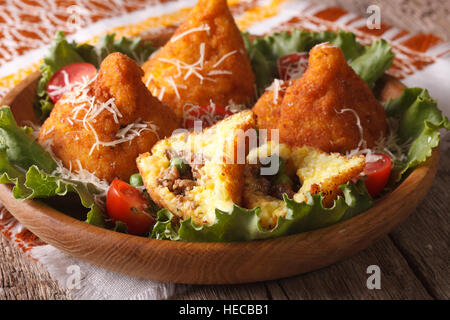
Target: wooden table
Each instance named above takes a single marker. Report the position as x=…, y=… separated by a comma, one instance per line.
x=413, y=258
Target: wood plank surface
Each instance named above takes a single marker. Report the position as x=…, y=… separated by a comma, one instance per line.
x=413, y=258
x=424, y=238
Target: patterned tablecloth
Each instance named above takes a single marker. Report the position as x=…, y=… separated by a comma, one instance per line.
x=26, y=29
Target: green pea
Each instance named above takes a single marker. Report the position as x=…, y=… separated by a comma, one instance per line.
x=180, y=164
x=136, y=180
x=282, y=178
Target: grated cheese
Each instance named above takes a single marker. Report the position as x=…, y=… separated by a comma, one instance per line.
x=85, y=102
x=126, y=134
x=362, y=141
x=216, y=72
x=174, y=86
x=150, y=78
x=193, y=113
x=83, y=176
x=203, y=27
x=161, y=93
x=55, y=90
x=195, y=68
x=389, y=145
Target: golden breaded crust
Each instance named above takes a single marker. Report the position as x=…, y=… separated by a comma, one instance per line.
x=220, y=180
x=323, y=172
x=222, y=75
x=317, y=171
x=71, y=139
x=322, y=108
x=268, y=106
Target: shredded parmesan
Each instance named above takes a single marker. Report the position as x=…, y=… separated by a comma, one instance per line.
x=234, y=107
x=55, y=90
x=150, y=78
x=362, y=142
x=174, y=86
x=223, y=58
x=203, y=27
x=161, y=93
x=127, y=134
x=83, y=176
x=389, y=145
x=215, y=72
x=193, y=113
x=275, y=87
x=191, y=69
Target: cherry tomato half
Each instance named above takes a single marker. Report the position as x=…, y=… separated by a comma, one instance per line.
x=127, y=204
x=292, y=65
x=208, y=114
x=63, y=79
x=378, y=173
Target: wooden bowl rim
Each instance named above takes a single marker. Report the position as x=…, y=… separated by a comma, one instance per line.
x=27, y=208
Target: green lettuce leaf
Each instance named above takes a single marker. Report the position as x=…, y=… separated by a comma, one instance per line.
x=370, y=62
x=242, y=224
x=62, y=53
x=419, y=121
x=25, y=164
x=373, y=61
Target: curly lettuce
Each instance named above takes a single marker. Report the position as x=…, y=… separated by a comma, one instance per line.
x=370, y=62
x=26, y=165
x=62, y=53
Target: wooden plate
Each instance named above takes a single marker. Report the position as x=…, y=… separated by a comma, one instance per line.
x=215, y=263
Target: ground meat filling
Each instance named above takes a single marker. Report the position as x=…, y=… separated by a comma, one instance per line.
x=180, y=184
x=266, y=186
x=278, y=190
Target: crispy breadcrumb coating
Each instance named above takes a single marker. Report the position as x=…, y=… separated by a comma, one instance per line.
x=204, y=61
x=317, y=171
x=87, y=124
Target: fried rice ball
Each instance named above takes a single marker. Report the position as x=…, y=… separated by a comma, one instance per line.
x=317, y=171
x=215, y=177
x=204, y=61
x=330, y=107
x=103, y=125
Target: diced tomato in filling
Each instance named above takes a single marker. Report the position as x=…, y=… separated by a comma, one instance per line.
x=292, y=66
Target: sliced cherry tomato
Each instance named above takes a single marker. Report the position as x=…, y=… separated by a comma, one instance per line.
x=292, y=66
x=127, y=204
x=378, y=173
x=208, y=114
x=65, y=78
